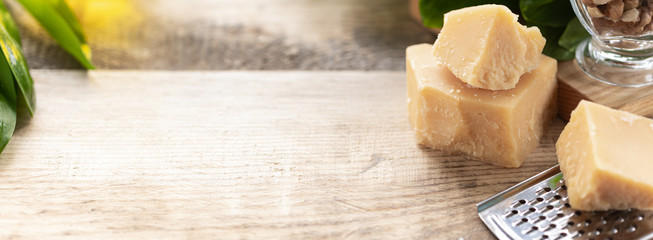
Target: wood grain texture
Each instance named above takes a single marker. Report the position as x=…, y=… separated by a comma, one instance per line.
x=226, y=34
x=642, y=106
x=195, y=155
x=575, y=85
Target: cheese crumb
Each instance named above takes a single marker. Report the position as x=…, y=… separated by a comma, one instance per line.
x=627, y=118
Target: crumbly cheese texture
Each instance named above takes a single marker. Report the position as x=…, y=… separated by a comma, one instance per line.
x=497, y=127
x=486, y=47
x=606, y=158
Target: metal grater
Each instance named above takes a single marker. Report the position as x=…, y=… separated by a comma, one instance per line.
x=538, y=208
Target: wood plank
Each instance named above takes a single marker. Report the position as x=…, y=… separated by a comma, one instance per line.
x=226, y=34
x=575, y=85
x=131, y=154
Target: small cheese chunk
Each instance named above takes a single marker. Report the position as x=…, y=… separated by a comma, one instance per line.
x=606, y=158
x=486, y=47
x=498, y=127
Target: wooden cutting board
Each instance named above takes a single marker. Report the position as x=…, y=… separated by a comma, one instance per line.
x=576, y=85
x=159, y=155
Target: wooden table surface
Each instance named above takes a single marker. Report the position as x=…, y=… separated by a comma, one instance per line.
x=237, y=154
x=293, y=154
x=228, y=34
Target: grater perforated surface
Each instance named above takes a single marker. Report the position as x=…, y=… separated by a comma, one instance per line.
x=538, y=208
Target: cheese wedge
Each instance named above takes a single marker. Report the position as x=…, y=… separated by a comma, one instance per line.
x=497, y=127
x=606, y=157
x=486, y=47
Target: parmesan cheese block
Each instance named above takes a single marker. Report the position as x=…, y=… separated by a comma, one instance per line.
x=606, y=157
x=497, y=127
x=486, y=47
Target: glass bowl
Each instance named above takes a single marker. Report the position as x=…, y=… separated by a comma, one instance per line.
x=620, y=51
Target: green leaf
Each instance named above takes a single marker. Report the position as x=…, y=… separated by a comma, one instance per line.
x=9, y=23
x=557, y=52
x=573, y=35
x=551, y=48
x=68, y=15
x=553, y=182
x=553, y=13
x=13, y=55
x=62, y=32
x=7, y=95
x=7, y=104
x=433, y=11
